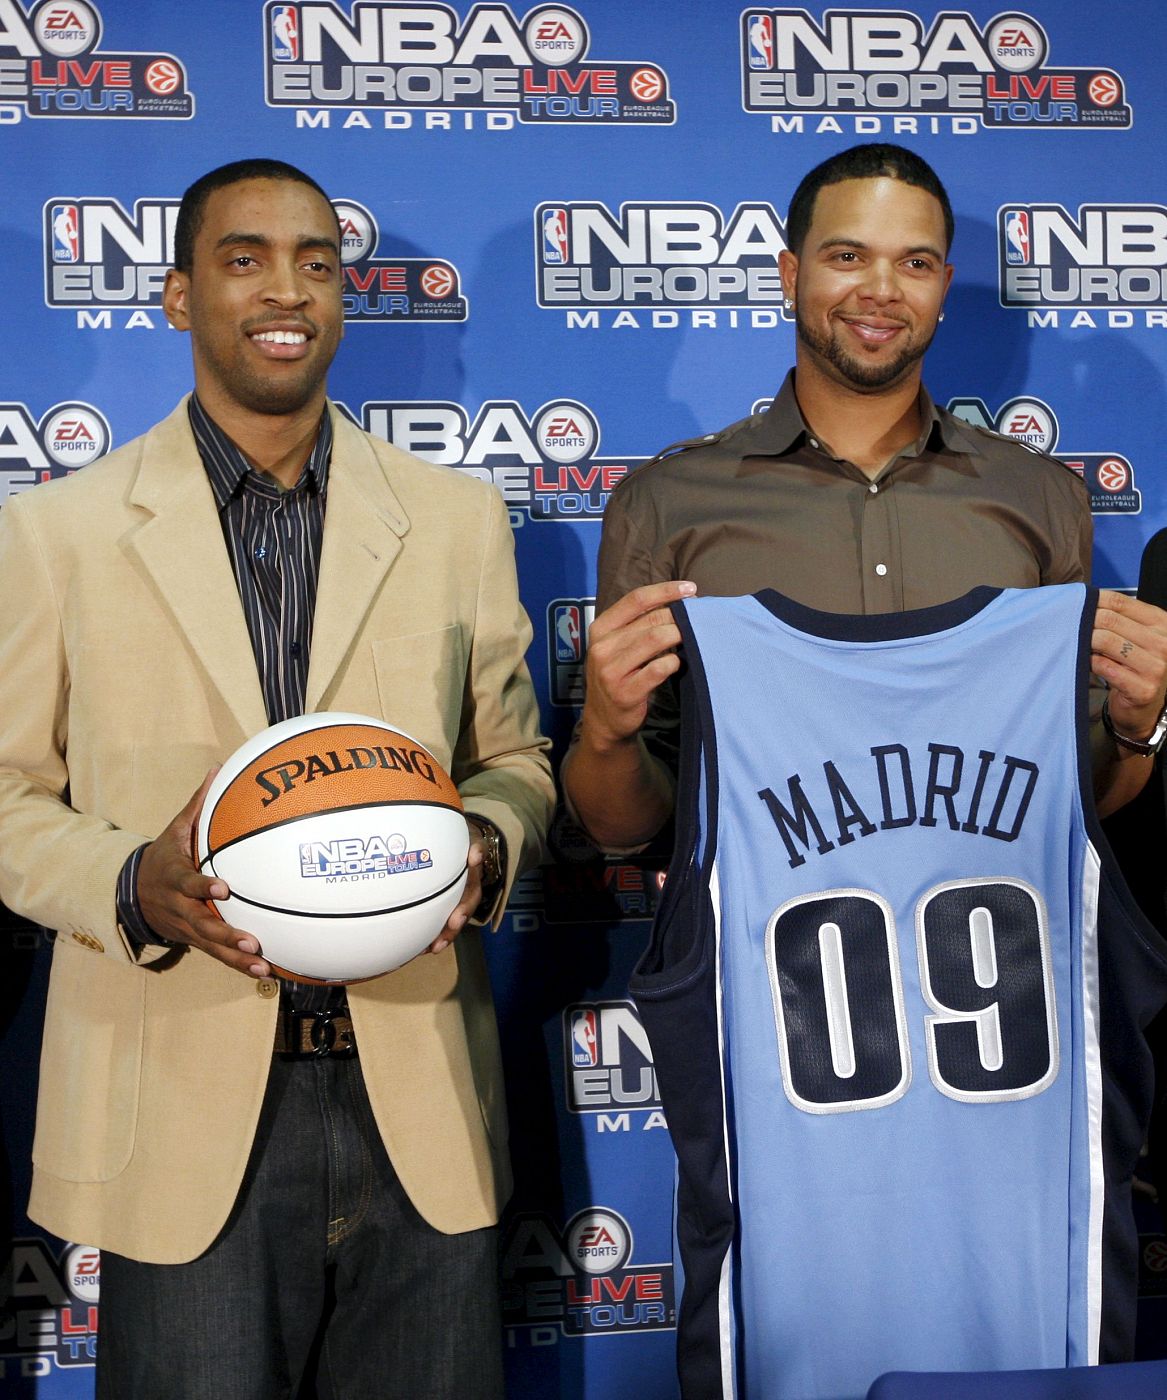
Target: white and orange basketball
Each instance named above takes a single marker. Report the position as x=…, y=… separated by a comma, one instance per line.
x=342, y=841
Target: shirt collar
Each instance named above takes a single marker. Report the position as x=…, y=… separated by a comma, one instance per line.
x=227, y=467
x=782, y=427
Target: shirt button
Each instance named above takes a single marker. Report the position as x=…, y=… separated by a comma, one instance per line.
x=295, y=648
x=881, y=569
x=873, y=488
x=261, y=553
x=814, y=442
x=266, y=988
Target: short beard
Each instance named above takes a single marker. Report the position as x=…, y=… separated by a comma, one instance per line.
x=858, y=375
x=260, y=396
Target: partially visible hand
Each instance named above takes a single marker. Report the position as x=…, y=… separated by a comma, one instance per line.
x=1129, y=652
x=172, y=896
x=471, y=899
x=631, y=650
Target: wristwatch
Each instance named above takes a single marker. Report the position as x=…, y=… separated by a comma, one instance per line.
x=1148, y=747
x=494, y=861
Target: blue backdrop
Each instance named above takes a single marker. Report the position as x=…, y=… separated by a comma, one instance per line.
x=561, y=228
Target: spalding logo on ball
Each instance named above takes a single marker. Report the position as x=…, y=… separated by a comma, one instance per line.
x=342, y=841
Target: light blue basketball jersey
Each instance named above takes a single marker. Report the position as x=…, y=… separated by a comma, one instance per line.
x=876, y=1002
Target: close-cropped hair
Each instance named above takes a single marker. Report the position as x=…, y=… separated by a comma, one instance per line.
x=194, y=201
x=866, y=162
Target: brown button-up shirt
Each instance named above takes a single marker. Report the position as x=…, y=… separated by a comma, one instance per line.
x=766, y=504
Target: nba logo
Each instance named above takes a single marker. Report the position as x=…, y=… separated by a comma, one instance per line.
x=584, y=1050
x=568, y=637
x=761, y=35
x=285, y=34
x=555, y=236
x=63, y=220
x=1016, y=237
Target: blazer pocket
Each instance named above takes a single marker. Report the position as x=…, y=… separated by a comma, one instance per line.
x=91, y=1067
x=421, y=679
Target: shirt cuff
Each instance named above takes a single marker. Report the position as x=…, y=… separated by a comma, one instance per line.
x=129, y=911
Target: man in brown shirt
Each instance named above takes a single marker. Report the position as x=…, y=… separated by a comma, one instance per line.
x=853, y=493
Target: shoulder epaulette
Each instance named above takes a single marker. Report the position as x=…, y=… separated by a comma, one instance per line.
x=674, y=449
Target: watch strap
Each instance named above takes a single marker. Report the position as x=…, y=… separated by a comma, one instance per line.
x=1148, y=747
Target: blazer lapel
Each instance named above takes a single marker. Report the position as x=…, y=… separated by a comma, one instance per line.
x=180, y=545
x=363, y=525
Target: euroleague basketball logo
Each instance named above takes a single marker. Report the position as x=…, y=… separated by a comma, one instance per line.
x=69, y=436
x=392, y=63
x=392, y=289
x=53, y=68
x=1109, y=477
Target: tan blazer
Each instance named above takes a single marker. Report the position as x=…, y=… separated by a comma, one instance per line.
x=125, y=672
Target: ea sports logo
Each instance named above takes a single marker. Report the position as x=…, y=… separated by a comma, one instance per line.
x=66, y=28
x=1017, y=43
x=1029, y=421
x=566, y=432
x=75, y=435
x=598, y=1241
x=358, y=230
x=81, y=1269
x=555, y=36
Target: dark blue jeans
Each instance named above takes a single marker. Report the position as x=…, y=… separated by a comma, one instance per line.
x=325, y=1274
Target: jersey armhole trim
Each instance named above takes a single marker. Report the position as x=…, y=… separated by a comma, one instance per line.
x=686, y=878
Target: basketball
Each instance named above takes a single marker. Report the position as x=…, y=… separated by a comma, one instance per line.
x=342, y=841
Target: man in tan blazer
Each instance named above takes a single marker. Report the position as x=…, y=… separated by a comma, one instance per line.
x=253, y=1198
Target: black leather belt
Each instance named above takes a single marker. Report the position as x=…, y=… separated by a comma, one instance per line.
x=314, y=1034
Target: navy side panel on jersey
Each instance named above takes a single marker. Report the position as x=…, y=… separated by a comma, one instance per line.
x=677, y=991
x=881, y=922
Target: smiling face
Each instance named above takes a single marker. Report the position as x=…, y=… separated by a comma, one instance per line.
x=262, y=299
x=869, y=283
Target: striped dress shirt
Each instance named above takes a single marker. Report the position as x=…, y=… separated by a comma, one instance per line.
x=273, y=537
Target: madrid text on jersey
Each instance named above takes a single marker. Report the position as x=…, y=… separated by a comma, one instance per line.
x=982, y=795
